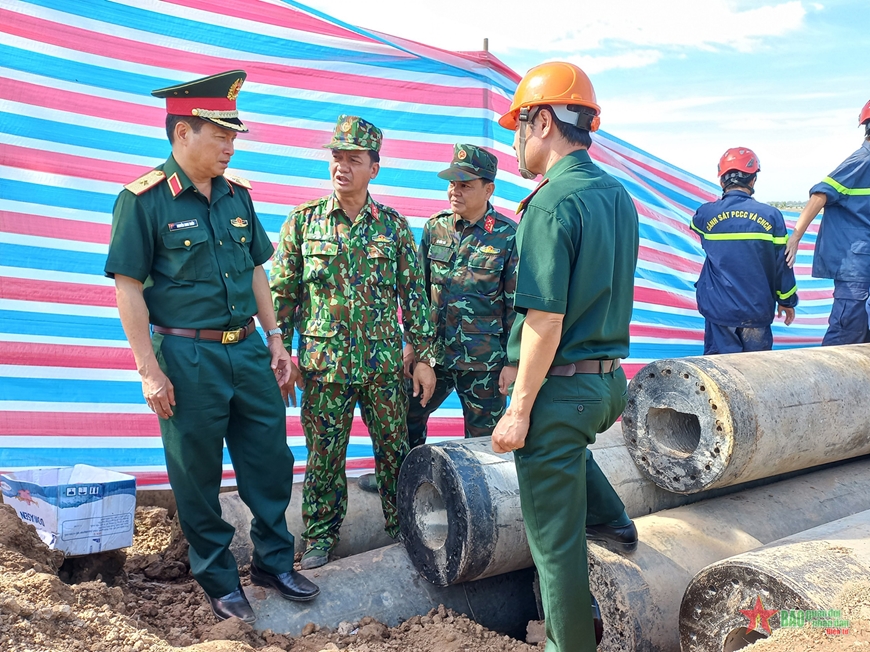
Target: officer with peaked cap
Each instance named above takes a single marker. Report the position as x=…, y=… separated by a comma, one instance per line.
x=468, y=259
x=343, y=265
x=186, y=253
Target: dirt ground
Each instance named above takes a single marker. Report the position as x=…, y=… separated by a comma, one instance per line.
x=144, y=599
x=854, y=604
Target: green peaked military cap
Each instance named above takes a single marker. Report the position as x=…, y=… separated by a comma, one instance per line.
x=352, y=132
x=210, y=98
x=470, y=162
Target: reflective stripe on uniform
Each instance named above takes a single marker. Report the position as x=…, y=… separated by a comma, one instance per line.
x=843, y=190
x=775, y=239
x=786, y=295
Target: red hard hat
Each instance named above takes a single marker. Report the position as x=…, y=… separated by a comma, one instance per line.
x=865, y=114
x=741, y=159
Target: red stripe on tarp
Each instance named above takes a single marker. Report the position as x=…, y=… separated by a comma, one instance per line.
x=79, y=294
x=97, y=424
x=284, y=76
x=52, y=227
x=62, y=355
x=663, y=298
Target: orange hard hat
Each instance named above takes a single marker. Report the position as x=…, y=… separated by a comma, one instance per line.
x=555, y=83
x=865, y=114
x=739, y=159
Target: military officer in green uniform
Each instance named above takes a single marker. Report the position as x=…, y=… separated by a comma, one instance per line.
x=186, y=254
x=468, y=259
x=344, y=264
x=577, y=242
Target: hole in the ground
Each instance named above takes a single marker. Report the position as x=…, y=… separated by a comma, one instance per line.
x=105, y=566
x=740, y=638
x=430, y=515
x=678, y=431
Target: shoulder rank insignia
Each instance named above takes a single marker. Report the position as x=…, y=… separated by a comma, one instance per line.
x=489, y=223
x=522, y=205
x=382, y=238
x=239, y=181
x=489, y=250
x=146, y=182
x=238, y=222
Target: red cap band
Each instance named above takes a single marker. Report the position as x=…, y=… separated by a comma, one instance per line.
x=186, y=105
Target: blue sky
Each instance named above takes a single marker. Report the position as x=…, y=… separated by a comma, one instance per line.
x=683, y=79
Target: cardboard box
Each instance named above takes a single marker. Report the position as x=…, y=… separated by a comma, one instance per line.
x=79, y=509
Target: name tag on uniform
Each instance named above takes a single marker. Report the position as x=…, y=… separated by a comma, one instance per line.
x=187, y=224
x=445, y=243
x=238, y=222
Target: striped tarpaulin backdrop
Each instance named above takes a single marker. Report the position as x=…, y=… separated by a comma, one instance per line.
x=77, y=122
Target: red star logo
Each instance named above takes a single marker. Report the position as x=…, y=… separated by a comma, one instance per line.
x=759, y=616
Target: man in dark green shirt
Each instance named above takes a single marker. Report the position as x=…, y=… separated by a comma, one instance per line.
x=186, y=254
x=577, y=243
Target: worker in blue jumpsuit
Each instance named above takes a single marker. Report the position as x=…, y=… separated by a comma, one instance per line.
x=745, y=276
x=843, y=244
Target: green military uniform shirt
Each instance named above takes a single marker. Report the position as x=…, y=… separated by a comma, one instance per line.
x=340, y=282
x=577, y=244
x=195, y=258
x=470, y=280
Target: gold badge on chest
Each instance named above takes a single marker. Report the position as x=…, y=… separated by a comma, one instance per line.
x=239, y=223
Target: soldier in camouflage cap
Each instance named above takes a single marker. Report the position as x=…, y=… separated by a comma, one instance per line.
x=344, y=263
x=352, y=133
x=469, y=261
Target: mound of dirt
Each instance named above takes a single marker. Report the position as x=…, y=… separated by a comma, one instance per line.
x=144, y=599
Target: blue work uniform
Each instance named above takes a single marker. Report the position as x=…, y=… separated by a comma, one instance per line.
x=843, y=247
x=744, y=275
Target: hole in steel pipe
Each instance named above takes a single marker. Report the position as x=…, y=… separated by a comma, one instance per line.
x=430, y=515
x=740, y=638
x=678, y=431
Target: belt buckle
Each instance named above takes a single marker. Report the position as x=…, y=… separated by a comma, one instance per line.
x=231, y=337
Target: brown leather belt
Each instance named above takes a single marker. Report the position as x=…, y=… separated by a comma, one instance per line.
x=585, y=367
x=224, y=337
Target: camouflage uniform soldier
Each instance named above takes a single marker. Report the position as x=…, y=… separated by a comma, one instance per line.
x=343, y=266
x=469, y=261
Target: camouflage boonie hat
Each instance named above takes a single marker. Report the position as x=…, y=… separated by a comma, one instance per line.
x=352, y=132
x=469, y=163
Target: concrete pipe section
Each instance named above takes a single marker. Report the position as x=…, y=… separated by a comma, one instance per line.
x=459, y=505
x=700, y=423
x=804, y=572
x=640, y=594
x=385, y=585
x=362, y=529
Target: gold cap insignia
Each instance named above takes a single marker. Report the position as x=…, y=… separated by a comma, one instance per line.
x=461, y=155
x=233, y=93
x=345, y=126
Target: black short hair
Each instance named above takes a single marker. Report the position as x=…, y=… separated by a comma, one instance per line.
x=573, y=134
x=172, y=120
x=374, y=156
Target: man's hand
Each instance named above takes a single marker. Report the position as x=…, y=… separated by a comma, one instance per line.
x=286, y=372
x=424, y=378
x=158, y=392
x=408, y=360
x=788, y=312
x=506, y=378
x=510, y=432
x=791, y=249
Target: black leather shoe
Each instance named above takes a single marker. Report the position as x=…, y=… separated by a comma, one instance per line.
x=232, y=605
x=620, y=539
x=597, y=622
x=291, y=585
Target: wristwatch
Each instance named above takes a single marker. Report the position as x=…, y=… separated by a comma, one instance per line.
x=432, y=362
x=274, y=331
